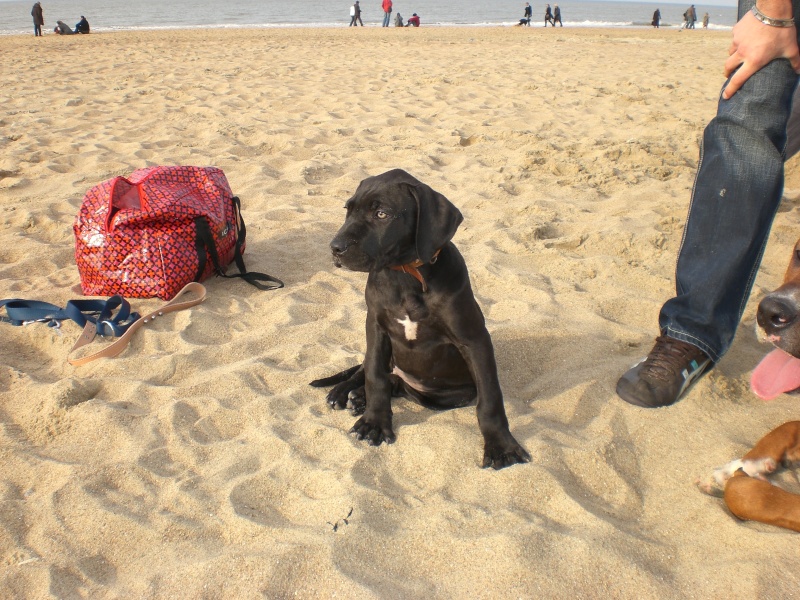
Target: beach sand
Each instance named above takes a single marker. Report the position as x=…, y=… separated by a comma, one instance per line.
x=200, y=464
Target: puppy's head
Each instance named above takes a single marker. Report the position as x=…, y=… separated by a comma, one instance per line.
x=393, y=219
x=778, y=320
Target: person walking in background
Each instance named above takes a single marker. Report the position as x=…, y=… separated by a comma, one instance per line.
x=691, y=17
x=355, y=15
x=657, y=19
x=557, y=16
x=705, y=21
x=38, y=19
x=387, y=12
x=528, y=14
x=548, y=16
x=736, y=195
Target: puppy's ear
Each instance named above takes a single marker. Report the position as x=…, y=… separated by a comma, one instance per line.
x=437, y=220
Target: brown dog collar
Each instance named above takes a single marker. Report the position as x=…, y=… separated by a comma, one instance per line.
x=412, y=269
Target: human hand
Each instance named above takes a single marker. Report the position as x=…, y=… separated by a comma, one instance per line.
x=754, y=46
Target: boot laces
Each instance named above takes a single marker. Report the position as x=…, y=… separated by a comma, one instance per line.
x=669, y=357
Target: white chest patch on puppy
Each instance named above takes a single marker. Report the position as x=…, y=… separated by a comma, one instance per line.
x=410, y=327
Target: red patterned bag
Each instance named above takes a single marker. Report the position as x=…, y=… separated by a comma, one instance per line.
x=150, y=234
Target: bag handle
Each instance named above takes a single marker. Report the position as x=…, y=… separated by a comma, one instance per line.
x=115, y=348
x=205, y=242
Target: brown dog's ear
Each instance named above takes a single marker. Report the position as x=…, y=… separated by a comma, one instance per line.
x=437, y=220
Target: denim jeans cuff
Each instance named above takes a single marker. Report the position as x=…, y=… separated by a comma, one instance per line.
x=693, y=340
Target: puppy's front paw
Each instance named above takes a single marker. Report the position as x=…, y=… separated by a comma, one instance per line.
x=505, y=453
x=375, y=432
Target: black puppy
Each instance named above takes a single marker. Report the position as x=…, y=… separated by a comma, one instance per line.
x=426, y=336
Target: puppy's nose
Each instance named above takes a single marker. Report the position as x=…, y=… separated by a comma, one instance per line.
x=775, y=314
x=339, y=246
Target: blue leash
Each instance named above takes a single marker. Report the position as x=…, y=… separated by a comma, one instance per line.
x=98, y=312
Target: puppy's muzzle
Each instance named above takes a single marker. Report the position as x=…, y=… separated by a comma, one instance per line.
x=338, y=248
x=777, y=313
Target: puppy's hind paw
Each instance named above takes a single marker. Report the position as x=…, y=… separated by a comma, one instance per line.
x=501, y=457
x=710, y=486
x=345, y=395
x=357, y=402
x=336, y=400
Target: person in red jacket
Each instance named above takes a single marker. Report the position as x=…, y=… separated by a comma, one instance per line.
x=387, y=12
x=413, y=21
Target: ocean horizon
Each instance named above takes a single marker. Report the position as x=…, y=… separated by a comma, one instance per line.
x=120, y=15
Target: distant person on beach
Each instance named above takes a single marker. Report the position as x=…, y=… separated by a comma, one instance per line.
x=38, y=19
x=528, y=14
x=657, y=19
x=557, y=16
x=387, y=12
x=736, y=194
x=398, y=20
x=355, y=15
x=413, y=21
x=62, y=28
x=705, y=21
x=82, y=26
x=548, y=16
x=691, y=17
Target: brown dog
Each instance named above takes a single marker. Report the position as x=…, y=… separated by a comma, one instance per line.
x=748, y=493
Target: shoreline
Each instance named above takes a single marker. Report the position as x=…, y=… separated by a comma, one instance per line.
x=339, y=26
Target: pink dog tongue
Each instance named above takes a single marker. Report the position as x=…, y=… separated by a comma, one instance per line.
x=777, y=373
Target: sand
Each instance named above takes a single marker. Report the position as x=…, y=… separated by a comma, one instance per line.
x=200, y=464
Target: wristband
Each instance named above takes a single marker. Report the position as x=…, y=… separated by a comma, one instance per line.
x=770, y=21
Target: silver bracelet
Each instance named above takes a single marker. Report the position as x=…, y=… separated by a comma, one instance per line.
x=769, y=20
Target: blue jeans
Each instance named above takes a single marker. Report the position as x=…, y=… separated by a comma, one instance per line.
x=386, y=18
x=737, y=191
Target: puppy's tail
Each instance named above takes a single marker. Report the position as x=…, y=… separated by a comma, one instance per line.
x=334, y=379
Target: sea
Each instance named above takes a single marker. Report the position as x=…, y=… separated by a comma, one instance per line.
x=119, y=15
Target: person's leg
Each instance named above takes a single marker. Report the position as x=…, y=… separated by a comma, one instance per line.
x=736, y=194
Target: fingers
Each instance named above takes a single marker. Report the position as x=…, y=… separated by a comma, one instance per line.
x=795, y=62
x=732, y=63
x=737, y=81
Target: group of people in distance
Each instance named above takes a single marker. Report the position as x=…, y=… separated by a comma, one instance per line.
x=551, y=16
x=355, y=16
x=81, y=26
x=61, y=28
x=689, y=19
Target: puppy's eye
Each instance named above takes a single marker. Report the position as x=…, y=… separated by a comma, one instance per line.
x=380, y=214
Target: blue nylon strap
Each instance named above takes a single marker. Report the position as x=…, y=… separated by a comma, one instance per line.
x=99, y=312
x=25, y=311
